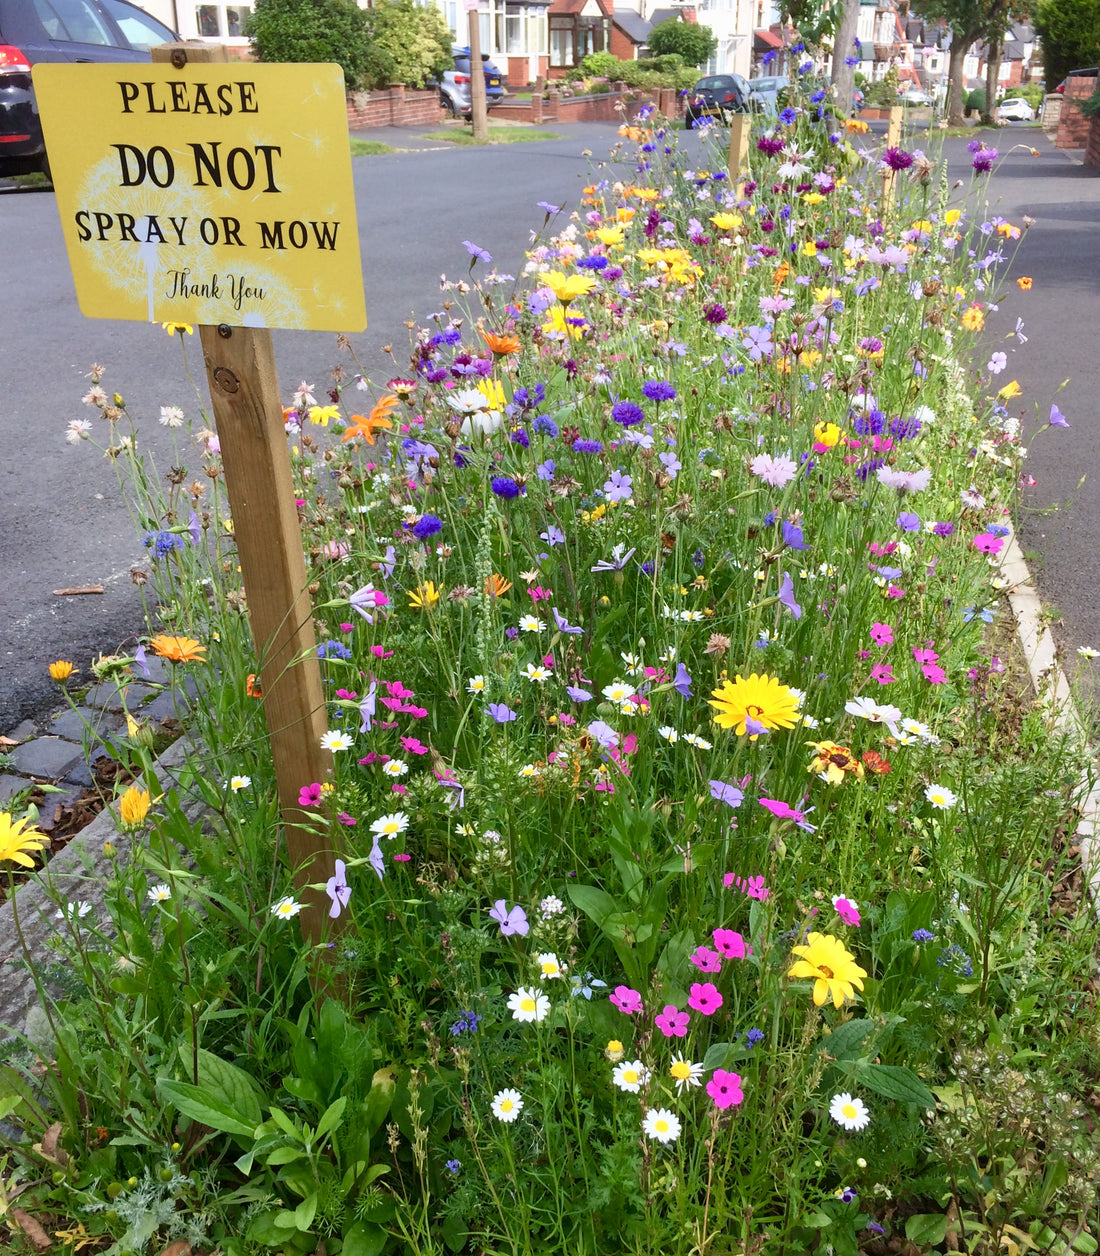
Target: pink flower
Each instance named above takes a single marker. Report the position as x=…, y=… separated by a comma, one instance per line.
x=309, y=795
x=846, y=910
x=987, y=543
x=934, y=673
x=413, y=746
x=882, y=673
x=704, y=997
x=924, y=656
x=380, y=651
x=706, y=960
x=751, y=887
x=345, y=819
x=347, y=627
x=628, y=1001
x=882, y=634
x=725, y=1089
x=894, y=591
x=397, y=690
x=777, y=471
x=731, y=944
x=401, y=858
x=671, y=1021
x=395, y=788
x=347, y=695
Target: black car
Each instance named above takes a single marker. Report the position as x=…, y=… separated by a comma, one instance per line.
x=59, y=30
x=715, y=96
x=454, y=90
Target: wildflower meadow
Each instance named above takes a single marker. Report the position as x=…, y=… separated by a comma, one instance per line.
x=704, y=865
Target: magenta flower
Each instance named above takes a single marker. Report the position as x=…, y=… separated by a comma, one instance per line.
x=882, y=634
x=924, y=655
x=847, y=910
x=309, y=795
x=413, y=746
x=751, y=887
x=704, y=997
x=883, y=674
x=731, y=944
x=783, y=811
x=725, y=1088
x=337, y=888
x=934, y=673
x=671, y=1021
x=628, y=1001
x=987, y=543
x=706, y=960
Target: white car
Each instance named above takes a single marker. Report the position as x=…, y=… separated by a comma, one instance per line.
x=914, y=96
x=1015, y=110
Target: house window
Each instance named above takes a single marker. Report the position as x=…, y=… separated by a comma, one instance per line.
x=573, y=38
x=561, y=42
x=215, y=20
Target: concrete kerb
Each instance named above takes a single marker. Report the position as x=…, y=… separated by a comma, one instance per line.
x=80, y=870
x=1051, y=687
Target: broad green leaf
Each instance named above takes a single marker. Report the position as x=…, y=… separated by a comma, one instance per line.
x=596, y=904
x=926, y=1227
x=364, y=1239
x=331, y=1117
x=265, y=1229
x=844, y=1042
x=305, y=1212
x=895, y=1082
x=717, y=1055
x=200, y=1105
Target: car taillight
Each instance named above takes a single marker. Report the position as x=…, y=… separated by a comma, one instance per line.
x=12, y=59
x=729, y=96
x=462, y=78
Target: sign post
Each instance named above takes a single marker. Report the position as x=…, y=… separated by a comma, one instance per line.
x=479, y=109
x=220, y=194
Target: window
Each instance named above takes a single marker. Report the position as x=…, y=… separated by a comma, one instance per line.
x=573, y=38
x=141, y=30
x=514, y=42
x=208, y=19
x=561, y=42
x=74, y=20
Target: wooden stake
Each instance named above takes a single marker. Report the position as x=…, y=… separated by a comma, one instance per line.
x=893, y=139
x=248, y=413
x=740, y=129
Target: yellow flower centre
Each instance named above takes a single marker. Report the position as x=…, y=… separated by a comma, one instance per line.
x=506, y=1105
x=630, y=1076
x=661, y=1125
x=848, y=1111
x=528, y=1005
x=681, y=1070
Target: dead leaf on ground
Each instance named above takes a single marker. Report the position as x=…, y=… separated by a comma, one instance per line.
x=40, y=1240
x=50, y=1149
x=180, y=1248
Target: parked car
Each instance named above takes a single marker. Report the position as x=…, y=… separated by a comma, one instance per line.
x=916, y=97
x=454, y=88
x=764, y=93
x=1014, y=110
x=715, y=96
x=78, y=30
x=1090, y=72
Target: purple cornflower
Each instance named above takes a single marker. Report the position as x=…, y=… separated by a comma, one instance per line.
x=337, y=889
x=715, y=312
x=587, y=446
x=500, y=712
x=984, y=159
x=658, y=390
x=618, y=487
x=897, y=158
x=627, y=413
x=477, y=253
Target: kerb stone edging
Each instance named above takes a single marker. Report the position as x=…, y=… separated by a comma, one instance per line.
x=79, y=871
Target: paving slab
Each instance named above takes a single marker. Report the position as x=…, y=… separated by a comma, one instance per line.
x=48, y=757
x=23, y=731
x=74, y=724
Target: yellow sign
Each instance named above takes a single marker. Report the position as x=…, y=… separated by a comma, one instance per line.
x=209, y=194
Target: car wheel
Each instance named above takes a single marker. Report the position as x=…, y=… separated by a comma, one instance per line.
x=450, y=107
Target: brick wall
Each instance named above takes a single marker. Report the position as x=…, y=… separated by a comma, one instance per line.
x=1092, y=149
x=1073, y=126
x=396, y=106
x=1052, y=113
x=603, y=107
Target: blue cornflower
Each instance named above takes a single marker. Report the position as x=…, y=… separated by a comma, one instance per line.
x=943, y=529
x=955, y=958
x=787, y=116
x=998, y=529
x=545, y=426
x=426, y=526
x=453, y=1166
x=597, y=261
x=467, y=1023
x=520, y=437
x=818, y=96
x=923, y=935
x=504, y=486
x=333, y=650
x=163, y=543
x=627, y=413
x=984, y=613
x=753, y=1036
x=529, y=398
x=905, y=429
x=587, y=446
x=658, y=390
x=545, y=470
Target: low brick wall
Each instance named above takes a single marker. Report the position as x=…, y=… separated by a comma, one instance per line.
x=396, y=106
x=1052, y=113
x=1073, y=126
x=1092, y=148
x=601, y=107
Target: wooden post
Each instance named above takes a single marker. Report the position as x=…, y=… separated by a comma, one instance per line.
x=740, y=130
x=893, y=139
x=479, y=109
x=244, y=389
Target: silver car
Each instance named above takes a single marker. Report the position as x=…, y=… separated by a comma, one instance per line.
x=764, y=93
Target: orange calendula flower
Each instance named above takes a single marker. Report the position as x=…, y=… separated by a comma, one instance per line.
x=178, y=649
x=61, y=670
x=874, y=762
x=1024, y=283
x=252, y=686
x=497, y=586
x=830, y=964
x=973, y=318
x=855, y=126
x=780, y=274
x=834, y=762
x=501, y=344
x=377, y=420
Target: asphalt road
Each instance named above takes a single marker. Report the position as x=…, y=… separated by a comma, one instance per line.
x=65, y=524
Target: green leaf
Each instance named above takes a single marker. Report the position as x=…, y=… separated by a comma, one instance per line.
x=208, y=1109
x=265, y=1229
x=331, y=1117
x=596, y=904
x=926, y=1227
x=226, y=1098
x=364, y=1239
x=284, y=1155
x=844, y=1042
x=717, y=1055
x=305, y=1212
x=895, y=1082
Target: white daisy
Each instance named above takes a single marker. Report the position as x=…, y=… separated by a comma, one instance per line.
x=549, y=966
x=700, y=743
x=395, y=767
x=618, y=692
x=73, y=911
x=940, y=797
x=527, y=1004
x=662, y=1125
x=476, y=684
x=1087, y=652
x=536, y=673
x=669, y=733
x=335, y=739
x=286, y=908
x=390, y=825
x=685, y=1072
x=237, y=783
x=849, y=1111
x=529, y=770
x=630, y=1075
x=876, y=712
x=507, y=1105
x=530, y=623
x=158, y=894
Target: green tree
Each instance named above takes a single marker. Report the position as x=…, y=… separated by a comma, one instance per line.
x=314, y=30
x=689, y=40
x=416, y=40
x=1070, y=33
